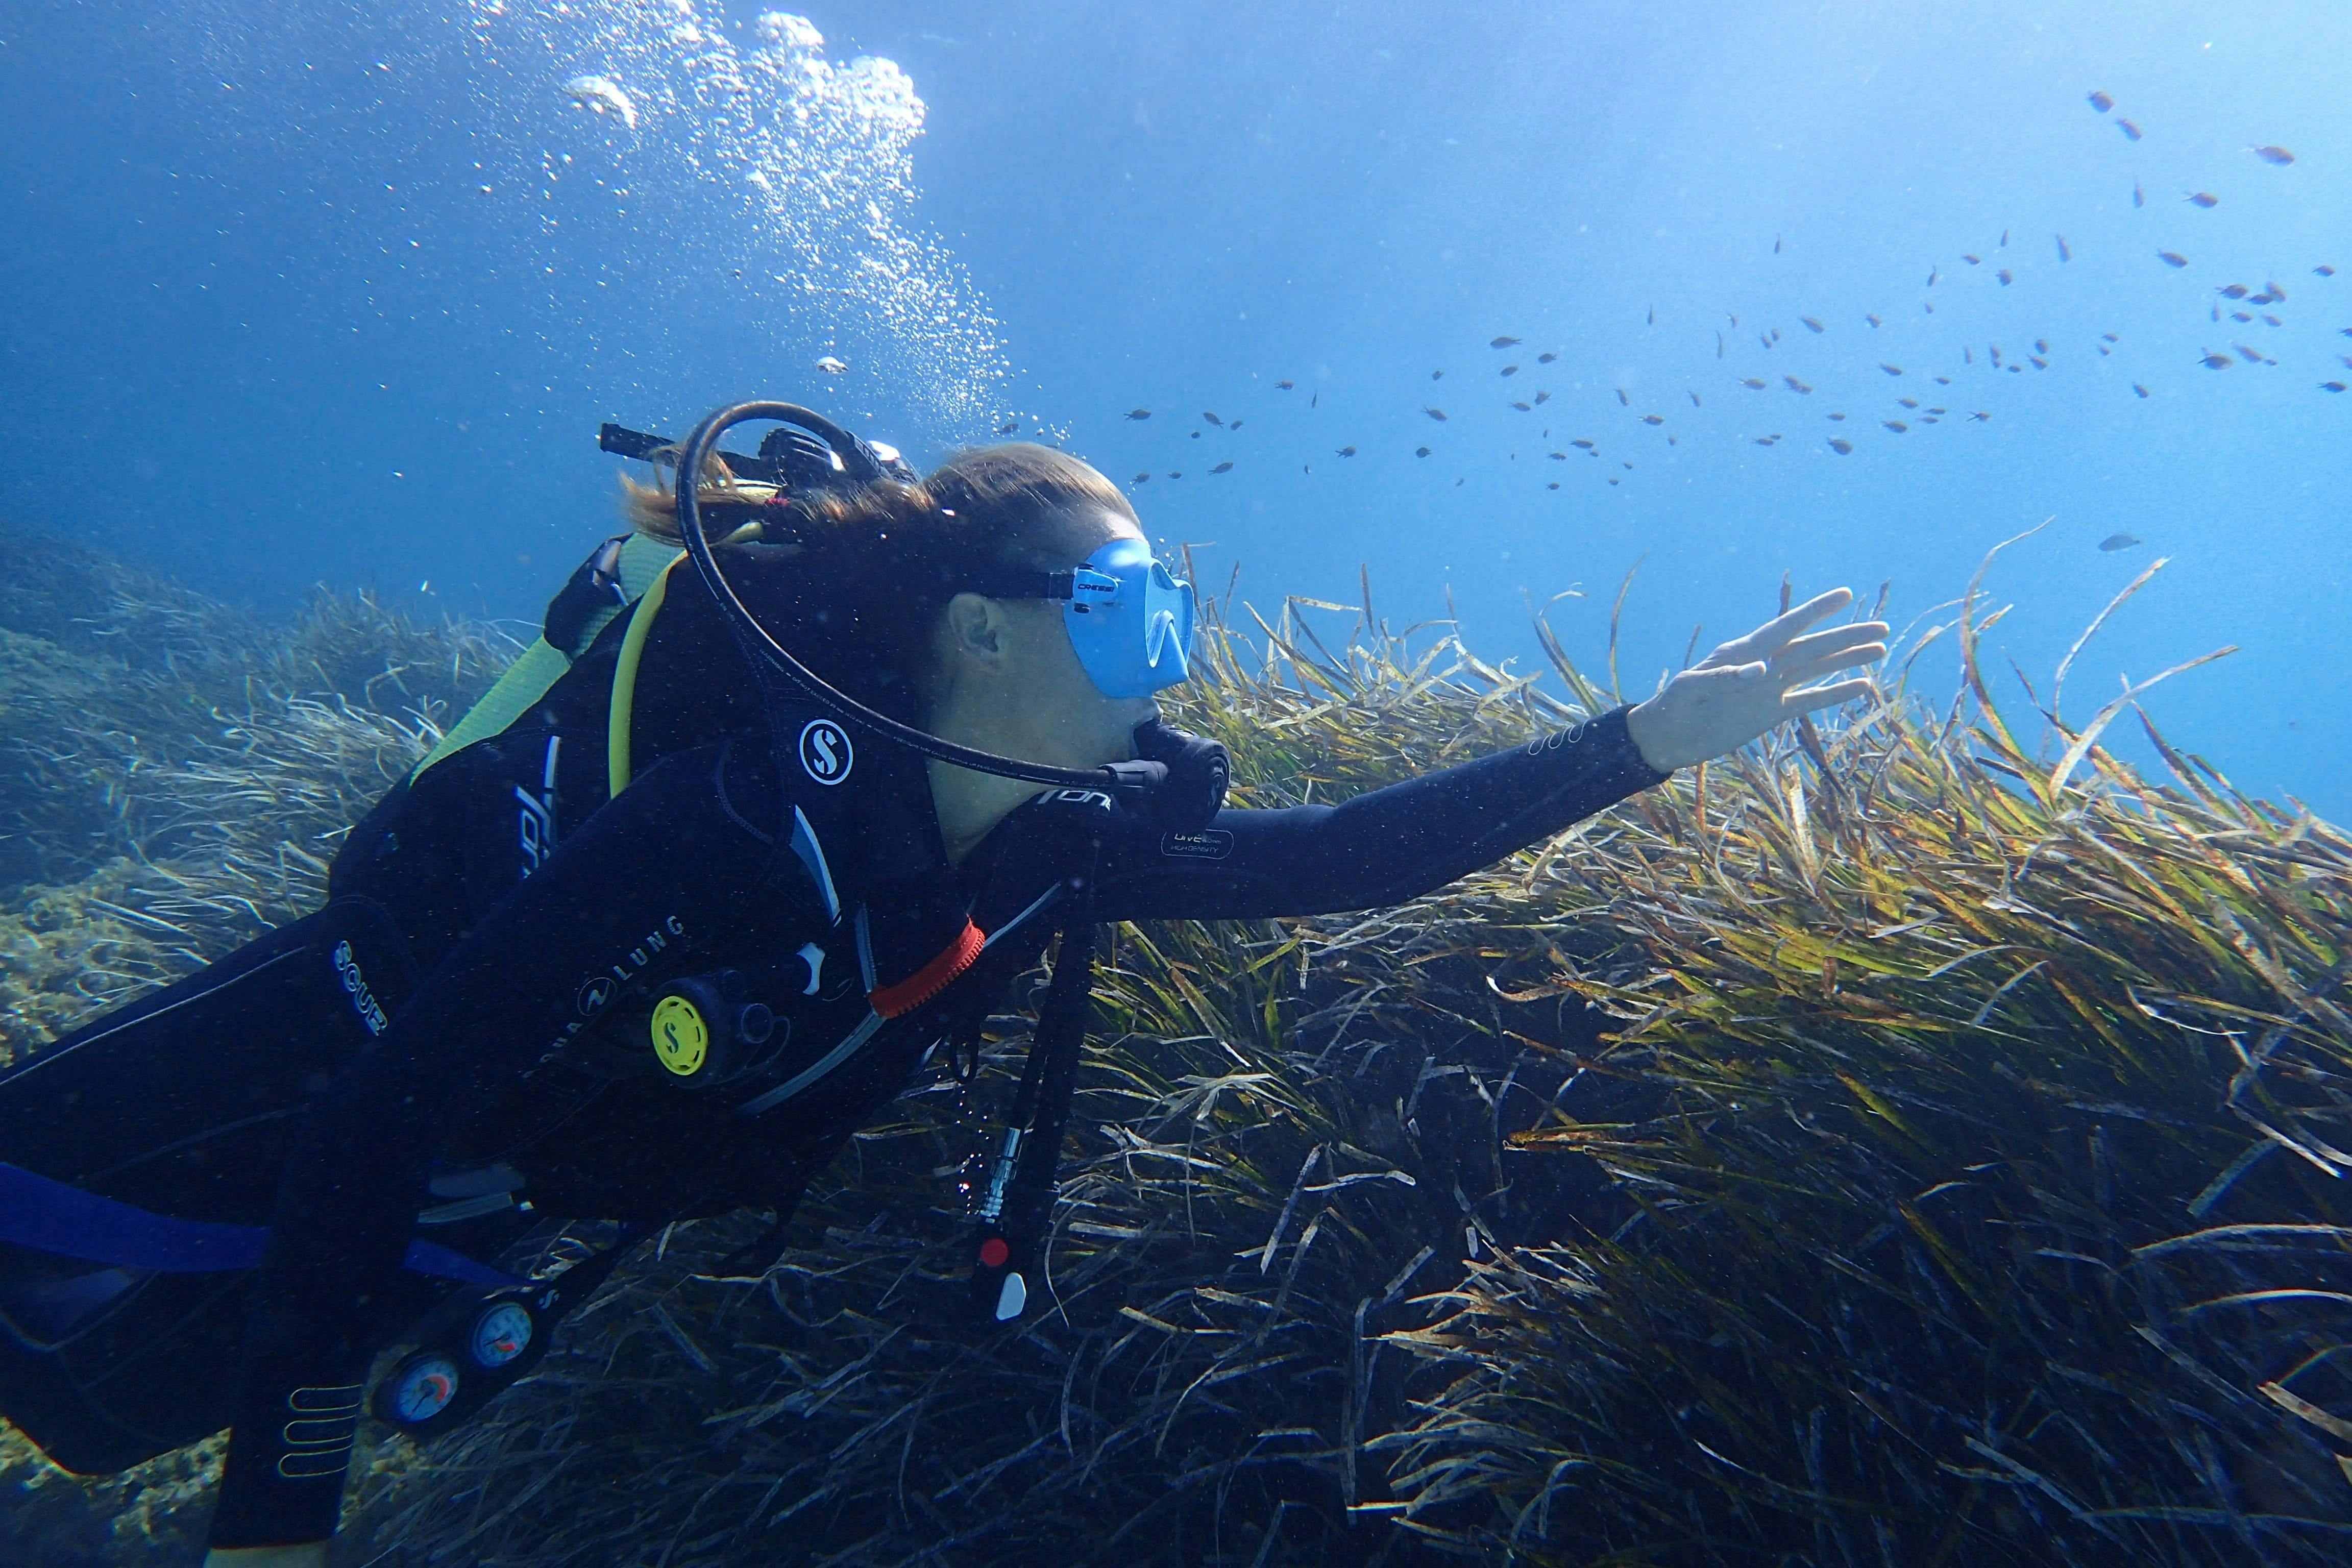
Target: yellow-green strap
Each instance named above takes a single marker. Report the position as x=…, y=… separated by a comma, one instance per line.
x=625, y=680
x=526, y=680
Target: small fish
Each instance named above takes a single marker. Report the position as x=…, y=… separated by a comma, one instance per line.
x=1940, y=413
x=2038, y=361
x=2004, y=239
x=2274, y=321
x=2004, y=275
x=1796, y=387
x=1776, y=245
x=2216, y=361
x=1421, y=451
x=1212, y=419
x=830, y=365
x=1972, y=260
x=1437, y=375
x=1503, y=343
x=1654, y=419
x=1933, y=273
x=1811, y=323
x=1347, y=451
x=2324, y=271
x=1718, y=345
x=2251, y=355
x=2139, y=197
x=1543, y=398
x=1233, y=423
x=2234, y=291
x=1138, y=414
x=1892, y=369
x=2063, y=254
x=1838, y=416
x=2239, y=316
x=1553, y=485
x=2115, y=541
x=1623, y=400
x=1981, y=417
x=1896, y=425
x=1437, y=414
x=2138, y=388
x=1612, y=480
x=2110, y=337
x=1510, y=370
x=2172, y=259
x=1843, y=448
x=1523, y=407
x=1968, y=355
x=1584, y=446
x=1175, y=473
x=1943, y=381
x=2331, y=386
x=1557, y=456
x=1653, y=316
x=1143, y=478
x=1196, y=435
x=1872, y=320
x=1546, y=358
x=1695, y=402
x=2131, y=132
x=2274, y=292
x=2274, y=155
x=2202, y=199
x=1995, y=349
x=1751, y=383
x=1009, y=426
x=1766, y=440
x=1776, y=334
x=1908, y=401
x=1765, y=341
x=2101, y=101
x=1315, y=397
x=1284, y=385
x=1224, y=468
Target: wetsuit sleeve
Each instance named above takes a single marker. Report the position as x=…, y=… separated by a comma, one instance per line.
x=1383, y=847
x=680, y=854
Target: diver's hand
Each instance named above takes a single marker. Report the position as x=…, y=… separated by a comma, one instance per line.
x=310, y=1554
x=1745, y=688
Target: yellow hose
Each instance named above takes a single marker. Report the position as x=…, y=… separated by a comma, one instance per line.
x=624, y=680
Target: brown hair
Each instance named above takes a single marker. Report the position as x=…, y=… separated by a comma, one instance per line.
x=853, y=584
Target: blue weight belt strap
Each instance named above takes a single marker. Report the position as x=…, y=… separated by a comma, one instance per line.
x=50, y=1217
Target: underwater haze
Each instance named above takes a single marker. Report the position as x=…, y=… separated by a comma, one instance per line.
x=314, y=291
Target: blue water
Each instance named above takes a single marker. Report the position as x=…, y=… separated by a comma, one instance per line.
x=319, y=292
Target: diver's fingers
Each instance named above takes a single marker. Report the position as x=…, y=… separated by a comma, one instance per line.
x=1854, y=636
x=1774, y=634
x=1813, y=699
x=1810, y=669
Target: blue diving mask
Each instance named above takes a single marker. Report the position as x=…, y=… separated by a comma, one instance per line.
x=1129, y=619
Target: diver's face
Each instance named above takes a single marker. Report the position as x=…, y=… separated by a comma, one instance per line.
x=1014, y=674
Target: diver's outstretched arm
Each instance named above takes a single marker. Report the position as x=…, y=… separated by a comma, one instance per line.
x=630, y=895
x=1390, y=845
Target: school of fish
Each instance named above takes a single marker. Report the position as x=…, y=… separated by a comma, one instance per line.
x=2240, y=304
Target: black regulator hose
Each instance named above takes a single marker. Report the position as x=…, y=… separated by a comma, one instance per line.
x=759, y=644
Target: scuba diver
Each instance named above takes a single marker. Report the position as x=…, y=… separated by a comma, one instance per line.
x=804, y=771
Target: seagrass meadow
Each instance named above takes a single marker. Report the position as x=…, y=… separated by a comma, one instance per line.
x=1912, y=1141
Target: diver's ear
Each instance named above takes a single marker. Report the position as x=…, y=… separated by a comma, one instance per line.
x=976, y=628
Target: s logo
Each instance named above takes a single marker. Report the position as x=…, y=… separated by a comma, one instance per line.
x=825, y=754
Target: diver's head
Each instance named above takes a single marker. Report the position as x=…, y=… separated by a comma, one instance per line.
x=923, y=601
x=1012, y=673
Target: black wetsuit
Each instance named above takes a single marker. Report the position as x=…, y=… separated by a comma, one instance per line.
x=726, y=847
